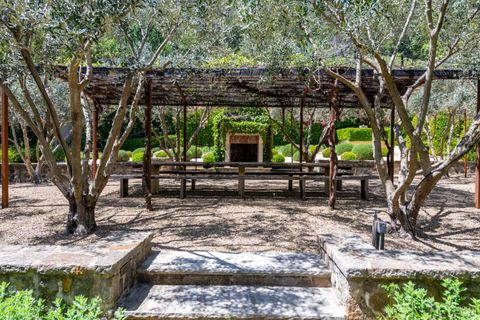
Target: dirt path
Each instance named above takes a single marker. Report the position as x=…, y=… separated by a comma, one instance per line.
x=259, y=223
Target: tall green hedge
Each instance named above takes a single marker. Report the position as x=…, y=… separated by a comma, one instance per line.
x=354, y=134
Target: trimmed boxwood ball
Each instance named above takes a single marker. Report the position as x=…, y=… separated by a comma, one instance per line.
x=161, y=154
x=326, y=153
x=198, y=154
x=208, y=157
x=278, y=158
x=130, y=153
x=137, y=156
x=363, y=151
x=343, y=147
x=384, y=151
x=142, y=149
x=123, y=156
x=274, y=152
x=286, y=150
x=349, y=155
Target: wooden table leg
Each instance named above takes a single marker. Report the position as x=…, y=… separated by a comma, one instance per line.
x=339, y=185
x=241, y=182
x=193, y=184
x=302, y=188
x=290, y=182
x=183, y=188
x=364, y=189
x=123, y=188
x=155, y=184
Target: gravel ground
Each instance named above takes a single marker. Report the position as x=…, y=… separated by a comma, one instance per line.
x=269, y=219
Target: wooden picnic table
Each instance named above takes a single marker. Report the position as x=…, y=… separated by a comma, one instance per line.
x=242, y=171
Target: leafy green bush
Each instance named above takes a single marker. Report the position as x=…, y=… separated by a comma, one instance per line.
x=13, y=155
x=343, y=147
x=59, y=154
x=278, y=158
x=363, y=151
x=349, y=155
x=208, y=157
x=274, y=152
x=130, y=153
x=133, y=143
x=286, y=150
x=409, y=302
x=22, y=305
x=142, y=149
x=123, y=156
x=296, y=156
x=161, y=154
x=156, y=149
x=384, y=151
x=205, y=149
x=137, y=156
x=355, y=134
x=326, y=153
x=198, y=154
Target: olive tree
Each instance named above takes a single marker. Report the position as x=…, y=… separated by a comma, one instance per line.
x=373, y=34
x=38, y=36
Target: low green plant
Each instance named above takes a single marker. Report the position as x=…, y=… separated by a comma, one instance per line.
x=123, y=156
x=130, y=153
x=286, y=150
x=409, y=302
x=384, y=151
x=278, y=158
x=59, y=154
x=22, y=305
x=13, y=155
x=137, y=156
x=326, y=153
x=363, y=151
x=142, y=149
x=195, y=152
x=343, y=147
x=274, y=152
x=349, y=155
x=209, y=157
x=161, y=154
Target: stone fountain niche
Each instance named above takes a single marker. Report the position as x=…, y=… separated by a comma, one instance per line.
x=243, y=147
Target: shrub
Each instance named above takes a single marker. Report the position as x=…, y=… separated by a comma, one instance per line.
x=278, y=158
x=384, y=151
x=363, y=151
x=326, y=153
x=409, y=302
x=123, y=156
x=13, y=155
x=142, y=149
x=343, y=147
x=156, y=149
x=208, y=157
x=23, y=305
x=130, y=153
x=274, y=152
x=296, y=156
x=137, y=156
x=355, y=134
x=286, y=150
x=349, y=155
x=133, y=144
x=161, y=154
x=59, y=154
x=205, y=149
x=198, y=154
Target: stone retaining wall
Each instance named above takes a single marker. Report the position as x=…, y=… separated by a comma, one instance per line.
x=106, y=269
x=359, y=271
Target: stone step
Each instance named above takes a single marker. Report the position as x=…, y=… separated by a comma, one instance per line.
x=227, y=302
x=245, y=268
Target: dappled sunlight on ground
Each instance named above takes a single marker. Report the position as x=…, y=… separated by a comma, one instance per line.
x=269, y=219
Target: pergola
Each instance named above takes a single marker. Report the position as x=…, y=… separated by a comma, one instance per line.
x=244, y=87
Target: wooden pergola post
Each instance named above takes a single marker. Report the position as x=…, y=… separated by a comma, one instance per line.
x=477, y=157
x=95, y=139
x=147, y=155
x=5, y=169
x=465, y=169
x=302, y=181
x=391, y=168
